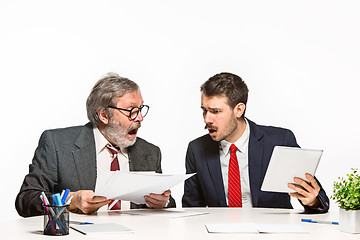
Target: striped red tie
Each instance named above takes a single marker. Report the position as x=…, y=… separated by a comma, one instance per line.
x=235, y=199
x=114, y=167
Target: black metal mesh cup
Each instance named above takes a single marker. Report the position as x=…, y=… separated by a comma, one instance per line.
x=56, y=220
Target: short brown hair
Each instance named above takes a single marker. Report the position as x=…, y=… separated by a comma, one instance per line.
x=226, y=84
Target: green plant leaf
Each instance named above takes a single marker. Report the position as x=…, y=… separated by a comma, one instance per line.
x=346, y=191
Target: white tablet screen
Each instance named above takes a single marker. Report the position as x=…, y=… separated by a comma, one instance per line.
x=287, y=163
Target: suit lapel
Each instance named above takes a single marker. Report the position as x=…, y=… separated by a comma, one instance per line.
x=85, y=158
x=256, y=148
x=137, y=158
x=213, y=162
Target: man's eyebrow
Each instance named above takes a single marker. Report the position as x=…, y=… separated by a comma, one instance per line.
x=210, y=108
x=133, y=104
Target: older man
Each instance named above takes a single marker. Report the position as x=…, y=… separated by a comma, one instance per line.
x=75, y=157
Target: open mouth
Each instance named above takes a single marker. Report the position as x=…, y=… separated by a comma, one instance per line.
x=212, y=130
x=133, y=132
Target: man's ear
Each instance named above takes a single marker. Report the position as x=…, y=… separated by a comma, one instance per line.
x=103, y=116
x=239, y=109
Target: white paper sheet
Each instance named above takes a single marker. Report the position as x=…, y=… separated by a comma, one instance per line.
x=170, y=213
x=232, y=228
x=281, y=228
x=133, y=186
x=101, y=228
x=255, y=228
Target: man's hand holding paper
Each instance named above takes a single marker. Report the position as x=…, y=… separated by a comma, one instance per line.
x=139, y=187
x=157, y=200
x=87, y=202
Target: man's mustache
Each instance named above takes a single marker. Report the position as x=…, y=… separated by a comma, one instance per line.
x=210, y=127
x=137, y=125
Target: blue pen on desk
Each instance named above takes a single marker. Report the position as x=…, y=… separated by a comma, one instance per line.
x=319, y=221
x=80, y=223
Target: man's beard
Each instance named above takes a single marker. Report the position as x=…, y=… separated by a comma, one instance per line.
x=226, y=132
x=116, y=133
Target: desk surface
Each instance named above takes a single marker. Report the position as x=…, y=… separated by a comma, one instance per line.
x=191, y=227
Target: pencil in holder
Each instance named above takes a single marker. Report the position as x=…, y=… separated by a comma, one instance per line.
x=56, y=220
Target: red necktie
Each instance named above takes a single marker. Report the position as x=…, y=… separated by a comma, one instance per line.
x=235, y=199
x=114, y=167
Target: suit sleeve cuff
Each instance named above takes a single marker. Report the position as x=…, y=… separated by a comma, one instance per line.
x=324, y=206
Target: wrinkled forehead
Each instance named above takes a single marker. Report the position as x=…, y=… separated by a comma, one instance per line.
x=217, y=101
x=130, y=99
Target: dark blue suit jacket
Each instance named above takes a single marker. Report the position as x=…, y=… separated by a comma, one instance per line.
x=206, y=188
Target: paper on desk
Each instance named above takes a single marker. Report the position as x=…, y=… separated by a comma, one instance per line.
x=133, y=186
x=101, y=228
x=232, y=228
x=254, y=228
x=171, y=213
x=281, y=228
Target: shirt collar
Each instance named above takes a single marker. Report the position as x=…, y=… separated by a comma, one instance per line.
x=241, y=143
x=100, y=140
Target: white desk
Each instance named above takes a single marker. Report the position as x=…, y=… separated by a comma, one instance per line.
x=193, y=227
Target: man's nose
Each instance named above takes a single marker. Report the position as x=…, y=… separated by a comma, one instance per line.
x=139, y=117
x=207, y=118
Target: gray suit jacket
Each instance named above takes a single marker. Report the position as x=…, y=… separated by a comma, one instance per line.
x=66, y=158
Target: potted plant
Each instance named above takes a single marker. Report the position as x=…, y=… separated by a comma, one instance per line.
x=346, y=193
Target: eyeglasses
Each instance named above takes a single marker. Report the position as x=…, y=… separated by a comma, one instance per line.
x=134, y=112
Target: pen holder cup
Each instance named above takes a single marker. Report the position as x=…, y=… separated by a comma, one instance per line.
x=56, y=220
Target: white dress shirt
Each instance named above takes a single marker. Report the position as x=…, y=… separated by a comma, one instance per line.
x=242, y=145
x=103, y=162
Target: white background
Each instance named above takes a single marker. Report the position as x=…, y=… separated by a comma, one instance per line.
x=300, y=60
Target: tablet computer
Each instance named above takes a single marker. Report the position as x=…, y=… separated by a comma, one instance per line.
x=287, y=163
